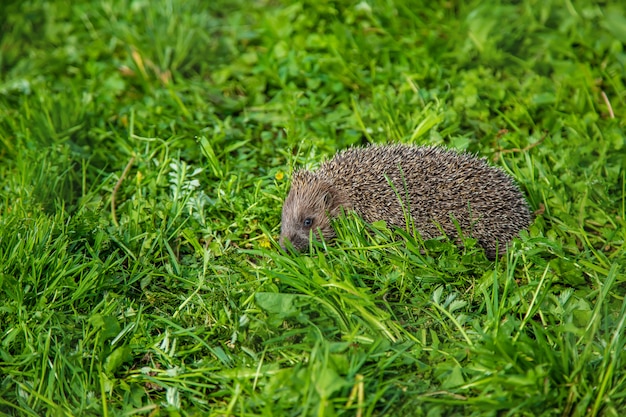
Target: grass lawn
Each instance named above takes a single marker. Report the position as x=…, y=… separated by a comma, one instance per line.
x=145, y=151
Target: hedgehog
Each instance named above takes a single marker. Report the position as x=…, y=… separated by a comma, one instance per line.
x=442, y=190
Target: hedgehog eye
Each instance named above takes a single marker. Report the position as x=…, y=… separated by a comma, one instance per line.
x=308, y=222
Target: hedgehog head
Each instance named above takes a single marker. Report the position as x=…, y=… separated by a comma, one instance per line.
x=311, y=203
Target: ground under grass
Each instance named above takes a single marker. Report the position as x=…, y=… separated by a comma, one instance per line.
x=146, y=148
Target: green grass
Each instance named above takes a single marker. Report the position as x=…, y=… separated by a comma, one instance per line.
x=146, y=148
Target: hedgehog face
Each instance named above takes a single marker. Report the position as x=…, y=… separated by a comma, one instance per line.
x=306, y=211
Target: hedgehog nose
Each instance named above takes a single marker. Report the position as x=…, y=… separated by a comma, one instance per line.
x=281, y=242
x=288, y=244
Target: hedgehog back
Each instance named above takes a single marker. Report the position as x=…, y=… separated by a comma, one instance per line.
x=436, y=186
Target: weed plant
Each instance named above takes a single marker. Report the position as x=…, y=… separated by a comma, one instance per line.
x=146, y=148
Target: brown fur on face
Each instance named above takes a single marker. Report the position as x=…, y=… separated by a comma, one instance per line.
x=310, y=202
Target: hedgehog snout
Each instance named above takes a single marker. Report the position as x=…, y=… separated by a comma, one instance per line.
x=293, y=240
